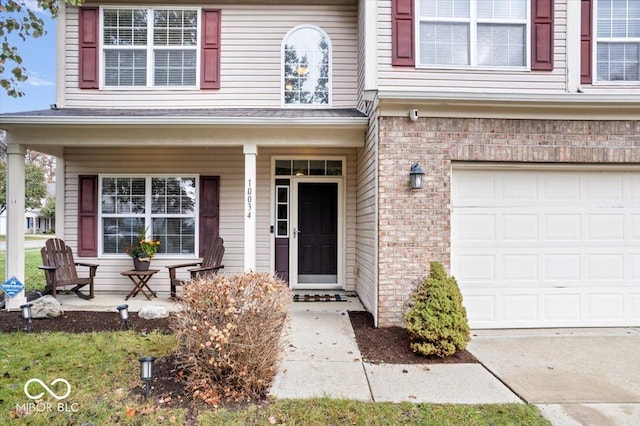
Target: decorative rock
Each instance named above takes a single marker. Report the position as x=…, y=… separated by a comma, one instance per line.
x=46, y=307
x=153, y=312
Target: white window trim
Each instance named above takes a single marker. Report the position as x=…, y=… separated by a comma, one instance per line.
x=148, y=216
x=473, y=32
x=149, y=49
x=330, y=82
x=594, y=53
x=278, y=204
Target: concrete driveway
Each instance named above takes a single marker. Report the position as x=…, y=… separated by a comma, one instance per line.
x=575, y=376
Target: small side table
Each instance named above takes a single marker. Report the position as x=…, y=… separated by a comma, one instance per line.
x=140, y=280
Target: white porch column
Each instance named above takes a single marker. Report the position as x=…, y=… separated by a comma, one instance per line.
x=60, y=205
x=250, y=151
x=15, y=221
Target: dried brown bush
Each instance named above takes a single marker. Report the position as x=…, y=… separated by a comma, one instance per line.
x=230, y=335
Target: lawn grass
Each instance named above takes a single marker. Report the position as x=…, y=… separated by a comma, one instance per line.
x=102, y=368
x=29, y=237
x=33, y=277
x=327, y=411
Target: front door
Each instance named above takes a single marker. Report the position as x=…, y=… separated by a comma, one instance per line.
x=315, y=235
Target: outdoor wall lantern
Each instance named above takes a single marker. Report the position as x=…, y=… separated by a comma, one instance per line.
x=146, y=372
x=26, y=316
x=124, y=315
x=417, y=175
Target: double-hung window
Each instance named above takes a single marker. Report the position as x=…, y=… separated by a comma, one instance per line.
x=618, y=40
x=164, y=206
x=150, y=47
x=481, y=33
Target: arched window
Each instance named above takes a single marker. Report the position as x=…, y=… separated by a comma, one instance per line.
x=306, y=67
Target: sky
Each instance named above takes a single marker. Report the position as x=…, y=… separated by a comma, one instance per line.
x=39, y=58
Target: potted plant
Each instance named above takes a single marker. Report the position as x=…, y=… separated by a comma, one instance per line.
x=143, y=250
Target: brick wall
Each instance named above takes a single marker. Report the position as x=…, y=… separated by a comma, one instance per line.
x=414, y=225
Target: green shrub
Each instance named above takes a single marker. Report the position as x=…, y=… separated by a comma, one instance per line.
x=229, y=335
x=437, y=320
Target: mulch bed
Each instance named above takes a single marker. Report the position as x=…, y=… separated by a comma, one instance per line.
x=82, y=322
x=390, y=345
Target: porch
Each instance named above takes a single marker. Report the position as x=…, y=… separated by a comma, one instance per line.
x=253, y=203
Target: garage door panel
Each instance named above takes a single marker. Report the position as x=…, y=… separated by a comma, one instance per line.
x=520, y=308
x=520, y=227
x=480, y=309
x=561, y=187
x=562, y=227
x=605, y=227
x=476, y=227
x=605, y=266
x=635, y=267
x=603, y=186
x=519, y=187
x=633, y=187
x=562, y=307
x=563, y=267
x=634, y=304
x=475, y=188
x=634, y=232
x=519, y=267
x=609, y=307
x=565, y=249
x=476, y=268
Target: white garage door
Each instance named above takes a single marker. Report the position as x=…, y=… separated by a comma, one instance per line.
x=547, y=248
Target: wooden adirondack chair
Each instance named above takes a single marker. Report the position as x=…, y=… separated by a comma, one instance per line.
x=60, y=269
x=210, y=265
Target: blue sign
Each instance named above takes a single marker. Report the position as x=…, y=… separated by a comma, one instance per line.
x=12, y=286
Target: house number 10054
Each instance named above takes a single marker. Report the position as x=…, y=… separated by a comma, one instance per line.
x=249, y=199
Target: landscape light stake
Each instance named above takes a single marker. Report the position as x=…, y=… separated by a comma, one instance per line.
x=146, y=372
x=26, y=316
x=124, y=315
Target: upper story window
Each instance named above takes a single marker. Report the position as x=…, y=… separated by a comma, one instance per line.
x=150, y=47
x=306, y=67
x=482, y=33
x=618, y=40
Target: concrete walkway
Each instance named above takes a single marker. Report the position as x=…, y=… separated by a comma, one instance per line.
x=323, y=360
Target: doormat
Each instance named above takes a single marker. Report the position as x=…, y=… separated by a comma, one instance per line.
x=319, y=298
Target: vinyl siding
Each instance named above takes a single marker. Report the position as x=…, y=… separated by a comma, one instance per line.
x=366, y=221
x=228, y=163
x=250, y=61
x=425, y=80
x=361, y=54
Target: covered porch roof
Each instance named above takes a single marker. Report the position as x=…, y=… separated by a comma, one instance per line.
x=49, y=130
x=308, y=117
